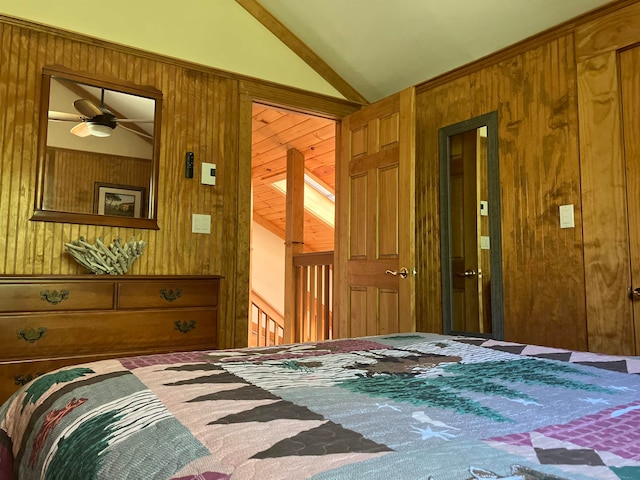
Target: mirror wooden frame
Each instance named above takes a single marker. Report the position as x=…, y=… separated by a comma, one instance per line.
x=490, y=120
x=151, y=203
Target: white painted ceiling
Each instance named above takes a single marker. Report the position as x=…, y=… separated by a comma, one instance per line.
x=383, y=46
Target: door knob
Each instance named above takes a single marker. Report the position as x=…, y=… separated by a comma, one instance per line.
x=403, y=272
x=467, y=274
x=634, y=292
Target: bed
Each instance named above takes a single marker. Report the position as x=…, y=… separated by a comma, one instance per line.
x=406, y=406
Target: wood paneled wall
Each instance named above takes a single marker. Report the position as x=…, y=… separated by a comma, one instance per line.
x=535, y=96
x=560, y=288
x=72, y=174
x=200, y=115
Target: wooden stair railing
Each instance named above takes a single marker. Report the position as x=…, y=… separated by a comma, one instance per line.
x=313, y=304
x=267, y=324
x=314, y=296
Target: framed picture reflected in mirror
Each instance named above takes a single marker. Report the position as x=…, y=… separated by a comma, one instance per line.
x=119, y=200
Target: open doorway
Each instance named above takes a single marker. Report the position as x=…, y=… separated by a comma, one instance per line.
x=275, y=133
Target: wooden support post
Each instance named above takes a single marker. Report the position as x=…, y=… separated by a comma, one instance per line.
x=294, y=238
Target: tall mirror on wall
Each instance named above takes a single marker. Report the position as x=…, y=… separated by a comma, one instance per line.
x=98, y=151
x=470, y=228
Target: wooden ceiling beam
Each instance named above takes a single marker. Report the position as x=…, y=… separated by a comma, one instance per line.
x=287, y=37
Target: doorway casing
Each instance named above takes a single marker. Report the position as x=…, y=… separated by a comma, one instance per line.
x=490, y=121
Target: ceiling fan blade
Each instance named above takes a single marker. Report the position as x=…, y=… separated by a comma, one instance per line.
x=65, y=117
x=137, y=132
x=87, y=108
x=81, y=130
x=132, y=120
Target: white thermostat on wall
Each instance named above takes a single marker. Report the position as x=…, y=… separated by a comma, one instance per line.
x=484, y=208
x=208, y=174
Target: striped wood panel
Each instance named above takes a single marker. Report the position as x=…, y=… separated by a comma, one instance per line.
x=535, y=96
x=71, y=175
x=194, y=103
x=200, y=115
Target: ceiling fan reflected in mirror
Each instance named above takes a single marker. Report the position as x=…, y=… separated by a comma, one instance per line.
x=97, y=120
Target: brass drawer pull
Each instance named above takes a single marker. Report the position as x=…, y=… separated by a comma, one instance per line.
x=20, y=380
x=170, y=295
x=32, y=335
x=54, y=298
x=185, y=326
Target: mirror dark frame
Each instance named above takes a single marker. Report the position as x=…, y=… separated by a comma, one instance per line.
x=151, y=202
x=490, y=120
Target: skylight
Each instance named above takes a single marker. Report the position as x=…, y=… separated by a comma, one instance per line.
x=318, y=199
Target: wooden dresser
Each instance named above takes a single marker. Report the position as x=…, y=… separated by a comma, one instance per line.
x=50, y=321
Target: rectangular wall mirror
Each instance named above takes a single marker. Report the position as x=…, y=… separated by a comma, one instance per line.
x=470, y=228
x=98, y=151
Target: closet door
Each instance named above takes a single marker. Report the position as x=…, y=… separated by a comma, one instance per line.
x=630, y=94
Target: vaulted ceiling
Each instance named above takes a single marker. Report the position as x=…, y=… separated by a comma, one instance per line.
x=380, y=47
x=363, y=50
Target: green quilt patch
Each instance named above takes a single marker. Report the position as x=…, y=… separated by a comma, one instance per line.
x=446, y=391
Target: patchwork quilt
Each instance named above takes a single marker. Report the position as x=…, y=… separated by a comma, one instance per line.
x=408, y=406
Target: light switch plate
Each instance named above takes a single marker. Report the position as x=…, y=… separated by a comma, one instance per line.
x=208, y=176
x=566, y=216
x=485, y=243
x=200, y=223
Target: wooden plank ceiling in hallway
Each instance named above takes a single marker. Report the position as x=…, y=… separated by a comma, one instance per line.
x=274, y=131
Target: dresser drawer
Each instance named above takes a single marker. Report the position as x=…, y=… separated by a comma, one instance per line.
x=168, y=294
x=72, y=334
x=14, y=375
x=37, y=297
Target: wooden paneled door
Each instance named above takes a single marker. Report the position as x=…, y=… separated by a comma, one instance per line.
x=464, y=205
x=375, y=228
x=630, y=97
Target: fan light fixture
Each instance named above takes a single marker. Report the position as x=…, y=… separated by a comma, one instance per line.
x=99, y=130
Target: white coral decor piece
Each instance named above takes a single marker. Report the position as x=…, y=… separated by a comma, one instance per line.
x=116, y=259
